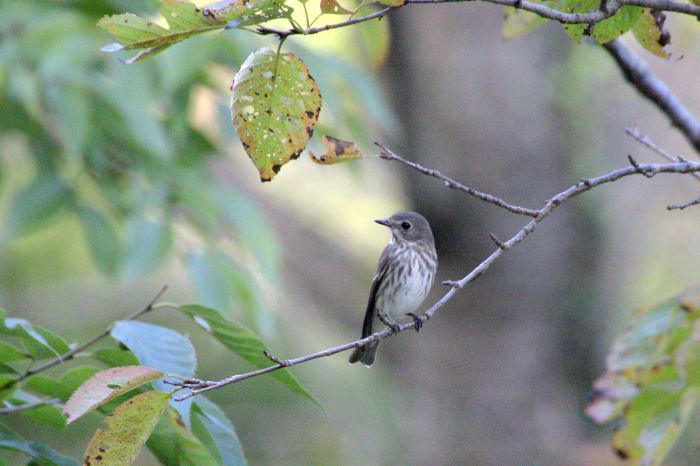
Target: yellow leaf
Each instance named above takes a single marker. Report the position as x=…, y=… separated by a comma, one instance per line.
x=337, y=151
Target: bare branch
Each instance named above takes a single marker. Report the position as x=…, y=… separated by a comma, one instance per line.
x=638, y=73
x=200, y=386
x=27, y=406
x=683, y=206
x=387, y=154
x=69, y=355
x=645, y=141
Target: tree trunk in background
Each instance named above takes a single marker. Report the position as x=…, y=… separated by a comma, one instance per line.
x=501, y=375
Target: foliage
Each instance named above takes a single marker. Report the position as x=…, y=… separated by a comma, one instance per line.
x=652, y=380
x=192, y=432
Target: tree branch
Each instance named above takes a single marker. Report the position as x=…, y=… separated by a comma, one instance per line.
x=69, y=355
x=645, y=141
x=637, y=73
x=592, y=17
x=387, y=154
x=684, y=206
x=27, y=406
x=200, y=386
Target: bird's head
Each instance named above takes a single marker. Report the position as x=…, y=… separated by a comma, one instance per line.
x=408, y=227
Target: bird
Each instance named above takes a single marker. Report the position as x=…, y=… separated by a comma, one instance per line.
x=404, y=276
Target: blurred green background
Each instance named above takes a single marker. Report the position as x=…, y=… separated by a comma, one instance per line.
x=116, y=179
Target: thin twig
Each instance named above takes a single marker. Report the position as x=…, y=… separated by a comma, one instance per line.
x=638, y=73
x=282, y=33
x=27, y=406
x=388, y=154
x=683, y=206
x=200, y=386
x=70, y=354
x=644, y=140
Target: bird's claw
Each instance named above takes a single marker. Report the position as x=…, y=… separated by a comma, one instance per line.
x=418, y=321
x=393, y=326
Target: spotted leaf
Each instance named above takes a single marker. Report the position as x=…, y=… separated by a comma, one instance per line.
x=650, y=33
x=274, y=106
x=337, y=150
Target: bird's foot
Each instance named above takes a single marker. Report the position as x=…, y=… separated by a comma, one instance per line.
x=393, y=326
x=418, y=321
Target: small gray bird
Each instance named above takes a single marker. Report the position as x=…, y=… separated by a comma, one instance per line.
x=405, y=273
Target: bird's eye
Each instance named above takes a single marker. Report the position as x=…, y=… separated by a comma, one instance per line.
x=405, y=225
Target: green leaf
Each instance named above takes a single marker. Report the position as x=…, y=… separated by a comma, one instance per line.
x=41, y=453
x=105, y=386
x=213, y=428
x=39, y=342
x=115, y=357
x=76, y=376
x=243, y=342
x=126, y=430
x=519, y=22
x=606, y=30
x=652, y=380
x=650, y=33
x=332, y=7
x=36, y=204
x=275, y=106
x=9, y=353
x=101, y=238
x=7, y=387
x=162, y=349
x=148, y=243
x=50, y=415
x=45, y=385
x=184, y=20
x=174, y=445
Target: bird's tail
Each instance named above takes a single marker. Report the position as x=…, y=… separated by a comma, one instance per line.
x=365, y=354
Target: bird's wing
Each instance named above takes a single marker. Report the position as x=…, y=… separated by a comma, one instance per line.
x=376, y=282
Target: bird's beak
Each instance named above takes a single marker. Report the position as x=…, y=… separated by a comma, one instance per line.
x=383, y=221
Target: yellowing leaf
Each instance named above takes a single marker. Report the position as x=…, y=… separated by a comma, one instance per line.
x=106, y=386
x=184, y=20
x=125, y=431
x=332, y=7
x=337, y=151
x=649, y=32
x=275, y=106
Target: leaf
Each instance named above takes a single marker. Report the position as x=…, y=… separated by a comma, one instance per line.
x=126, y=430
x=215, y=430
x=650, y=33
x=275, y=106
x=243, y=342
x=162, y=349
x=101, y=238
x=393, y=3
x=115, y=357
x=50, y=415
x=9, y=353
x=519, y=22
x=36, y=204
x=7, y=386
x=45, y=385
x=148, y=243
x=606, y=30
x=37, y=451
x=39, y=342
x=652, y=380
x=332, y=7
x=184, y=20
x=76, y=376
x=337, y=151
x=106, y=386
x=174, y=445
